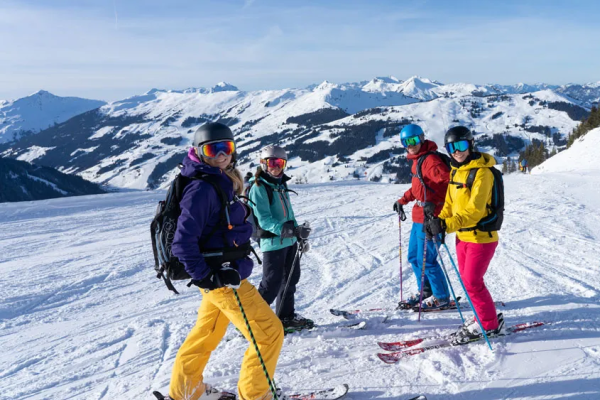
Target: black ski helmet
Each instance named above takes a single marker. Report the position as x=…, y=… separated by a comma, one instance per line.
x=212, y=132
x=458, y=133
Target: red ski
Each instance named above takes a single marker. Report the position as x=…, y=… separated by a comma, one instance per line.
x=392, y=358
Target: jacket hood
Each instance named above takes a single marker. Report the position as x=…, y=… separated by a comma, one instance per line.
x=480, y=160
x=426, y=147
x=192, y=165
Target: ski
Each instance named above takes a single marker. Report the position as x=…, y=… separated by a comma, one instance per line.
x=354, y=326
x=222, y=396
x=334, y=393
x=351, y=314
x=392, y=358
x=421, y=397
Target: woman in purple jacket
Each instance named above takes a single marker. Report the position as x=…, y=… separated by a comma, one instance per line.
x=201, y=232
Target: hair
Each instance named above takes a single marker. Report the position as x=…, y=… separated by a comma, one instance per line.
x=257, y=175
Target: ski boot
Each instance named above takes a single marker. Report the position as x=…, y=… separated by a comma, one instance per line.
x=413, y=301
x=471, y=331
x=210, y=393
x=432, y=303
x=296, y=323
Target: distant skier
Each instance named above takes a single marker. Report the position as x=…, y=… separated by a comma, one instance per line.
x=200, y=227
x=463, y=210
x=435, y=175
x=278, y=231
x=247, y=178
x=523, y=166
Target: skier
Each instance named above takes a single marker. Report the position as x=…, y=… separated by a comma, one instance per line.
x=435, y=174
x=200, y=227
x=270, y=201
x=462, y=211
x=523, y=166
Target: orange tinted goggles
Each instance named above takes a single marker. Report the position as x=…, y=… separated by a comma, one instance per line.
x=275, y=162
x=212, y=150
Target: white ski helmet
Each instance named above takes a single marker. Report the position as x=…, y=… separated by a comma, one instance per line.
x=271, y=151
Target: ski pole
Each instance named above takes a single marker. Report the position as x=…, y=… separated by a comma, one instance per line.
x=262, y=362
x=287, y=284
x=423, y=274
x=400, y=251
x=468, y=297
x=439, y=254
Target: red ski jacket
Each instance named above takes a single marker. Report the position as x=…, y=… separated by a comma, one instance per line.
x=436, y=175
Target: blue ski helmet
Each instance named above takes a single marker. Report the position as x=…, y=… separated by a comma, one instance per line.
x=411, y=130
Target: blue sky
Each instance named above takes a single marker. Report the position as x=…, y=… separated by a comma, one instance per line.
x=110, y=49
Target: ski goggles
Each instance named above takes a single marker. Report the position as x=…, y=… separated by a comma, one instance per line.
x=461, y=145
x=212, y=150
x=411, y=141
x=275, y=162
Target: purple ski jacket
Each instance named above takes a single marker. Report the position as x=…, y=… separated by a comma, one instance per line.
x=200, y=213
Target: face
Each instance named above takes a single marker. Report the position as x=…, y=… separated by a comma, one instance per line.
x=414, y=149
x=275, y=171
x=460, y=156
x=221, y=161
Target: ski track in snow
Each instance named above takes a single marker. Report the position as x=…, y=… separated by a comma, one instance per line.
x=82, y=316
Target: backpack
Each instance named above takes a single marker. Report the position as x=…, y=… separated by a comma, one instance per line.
x=445, y=159
x=163, y=227
x=493, y=221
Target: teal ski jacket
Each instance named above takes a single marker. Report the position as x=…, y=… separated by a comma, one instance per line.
x=272, y=215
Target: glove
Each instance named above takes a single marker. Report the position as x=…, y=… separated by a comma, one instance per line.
x=288, y=230
x=224, y=277
x=434, y=226
x=304, y=246
x=303, y=231
x=400, y=210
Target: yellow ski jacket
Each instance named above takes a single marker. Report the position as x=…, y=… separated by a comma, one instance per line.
x=463, y=207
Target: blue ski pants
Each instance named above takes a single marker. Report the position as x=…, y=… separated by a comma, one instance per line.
x=433, y=272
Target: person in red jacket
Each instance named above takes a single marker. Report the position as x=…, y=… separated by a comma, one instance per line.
x=435, y=175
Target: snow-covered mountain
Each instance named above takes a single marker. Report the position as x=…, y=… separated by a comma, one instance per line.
x=39, y=111
x=331, y=131
x=21, y=181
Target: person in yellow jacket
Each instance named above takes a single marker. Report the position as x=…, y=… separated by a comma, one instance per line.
x=464, y=208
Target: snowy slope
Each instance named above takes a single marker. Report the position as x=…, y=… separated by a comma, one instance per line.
x=39, y=111
x=84, y=318
x=582, y=155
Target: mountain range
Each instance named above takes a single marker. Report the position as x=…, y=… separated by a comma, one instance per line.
x=331, y=131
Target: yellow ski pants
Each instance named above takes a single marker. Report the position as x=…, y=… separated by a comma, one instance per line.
x=218, y=308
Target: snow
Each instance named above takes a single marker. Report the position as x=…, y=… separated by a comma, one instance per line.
x=33, y=152
x=83, y=316
x=581, y=156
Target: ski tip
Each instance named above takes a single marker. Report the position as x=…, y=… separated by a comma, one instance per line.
x=387, y=358
x=159, y=395
x=418, y=398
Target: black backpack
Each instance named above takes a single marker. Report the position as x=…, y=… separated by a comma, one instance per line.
x=163, y=227
x=445, y=159
x=493, y=221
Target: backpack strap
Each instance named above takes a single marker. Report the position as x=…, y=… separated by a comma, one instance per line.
x=464, y=185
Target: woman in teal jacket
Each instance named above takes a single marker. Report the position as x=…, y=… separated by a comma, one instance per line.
x=277, y=228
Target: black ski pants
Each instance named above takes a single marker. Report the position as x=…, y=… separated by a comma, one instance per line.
x=277, y=265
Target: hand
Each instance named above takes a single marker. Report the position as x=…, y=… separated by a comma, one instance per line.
x=224, y=277
x=304, y=246
x=303, y=231
x=288, y=230
x=434, y=226
x=400, y=210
